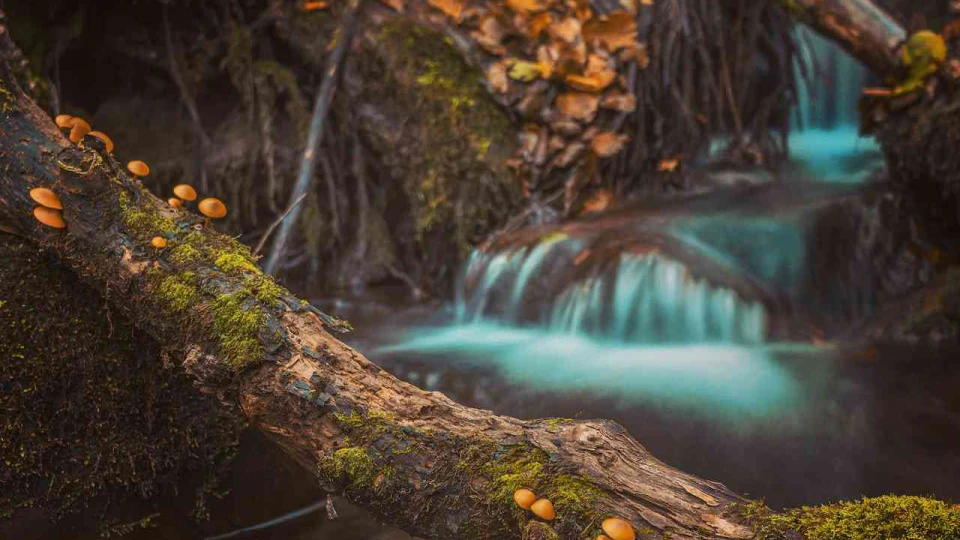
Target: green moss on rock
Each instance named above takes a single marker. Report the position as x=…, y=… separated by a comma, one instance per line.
x=451, y=157
x=878, y=518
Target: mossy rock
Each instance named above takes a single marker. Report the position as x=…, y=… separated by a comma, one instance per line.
x=890, y=517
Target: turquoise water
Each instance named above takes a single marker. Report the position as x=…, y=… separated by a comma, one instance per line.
x=824, y=139
x=711, y=378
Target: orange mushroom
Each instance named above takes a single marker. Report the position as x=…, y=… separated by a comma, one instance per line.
x=46, y=197
x=185, y=192
x=524, y=498
x=174, y=202
x=603, y=537
x=78, y=129
x=617, y=529
x=63, y=120
x=158, y=242
x=49, y=217
x=543, y=510
x=212, y=208
x=103, y=137
x=138, y=168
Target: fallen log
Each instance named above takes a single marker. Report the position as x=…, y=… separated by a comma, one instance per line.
x=862, y=28
x=429, y=465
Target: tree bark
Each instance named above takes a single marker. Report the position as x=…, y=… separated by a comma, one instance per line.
x=423, y=462
x=859, y=26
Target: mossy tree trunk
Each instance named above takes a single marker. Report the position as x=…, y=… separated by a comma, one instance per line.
x=423, y=462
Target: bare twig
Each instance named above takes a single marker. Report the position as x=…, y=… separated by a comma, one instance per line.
x=269, y=231
x=321, y=106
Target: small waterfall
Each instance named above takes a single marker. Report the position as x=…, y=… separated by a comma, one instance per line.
x=828, y=97
x=824, y=135
x=646, y=298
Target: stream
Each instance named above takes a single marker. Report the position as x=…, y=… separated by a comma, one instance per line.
x=712, y=327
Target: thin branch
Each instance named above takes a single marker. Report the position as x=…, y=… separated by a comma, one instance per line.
x=320, y=108
x=269, y=231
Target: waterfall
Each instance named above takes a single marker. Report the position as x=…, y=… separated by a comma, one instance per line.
x=824, y=137
x=828, y=97
x=646, y=298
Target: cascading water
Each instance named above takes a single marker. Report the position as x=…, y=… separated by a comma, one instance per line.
x=824, y=136
x=645, y=298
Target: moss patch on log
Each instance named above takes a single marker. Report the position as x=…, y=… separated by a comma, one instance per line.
x=237, y=323
x=878, y=518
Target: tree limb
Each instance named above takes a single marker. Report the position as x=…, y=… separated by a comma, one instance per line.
x=859, y=26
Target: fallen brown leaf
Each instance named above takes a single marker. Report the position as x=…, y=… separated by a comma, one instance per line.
x=539, y=23
x=497, y=76
x=623, y=102
x=526, y=6
x=578, y=105
x=568, y=30
x=618, y=30
x=607, y=144
x=452, y=8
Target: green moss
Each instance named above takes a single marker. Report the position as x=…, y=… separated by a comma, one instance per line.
x=537, y=530
x=185, y=254
x=144, y=221
x=235, y=263
x=574, y=494
x=355, y=464
x=178, y=293
x=264, y=288
x=454, y=182
x=237, y=324
x=517, y=468
x=879, y=518
x=554, y=422
x=923, y=53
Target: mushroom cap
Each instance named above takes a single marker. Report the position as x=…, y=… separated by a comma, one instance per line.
x=49, y=217
x=185, y=192
x=158, y=242
x=543, y=509
x=138, y=168
x=46, y=197
x=617, y=529
x=174, y=202
x=78, y=129
x=603, y=537
x=103, y=137
x=524, y=498
x=212, y=208
x=63, y=120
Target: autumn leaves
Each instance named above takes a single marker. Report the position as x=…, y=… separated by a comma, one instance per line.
x=557, y=64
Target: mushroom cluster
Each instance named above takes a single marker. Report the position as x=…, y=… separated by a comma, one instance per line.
x=211, y=208
x=48, y=212
x=80, y=128
x=542, y=508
